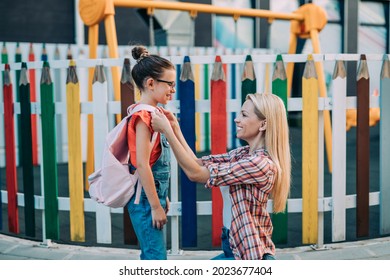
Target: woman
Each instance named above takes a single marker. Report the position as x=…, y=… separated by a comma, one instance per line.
x=155, y=77
x=253, y=172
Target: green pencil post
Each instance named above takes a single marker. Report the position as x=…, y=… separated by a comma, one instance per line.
x=49, y=154
x=279, y=88
x=26, y=151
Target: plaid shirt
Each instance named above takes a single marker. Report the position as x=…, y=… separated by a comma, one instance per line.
x=251, y=179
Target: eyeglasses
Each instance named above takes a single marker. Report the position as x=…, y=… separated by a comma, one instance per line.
x=172, y=85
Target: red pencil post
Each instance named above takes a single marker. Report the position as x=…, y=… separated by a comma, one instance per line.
x=218, y=139
x=11, y=178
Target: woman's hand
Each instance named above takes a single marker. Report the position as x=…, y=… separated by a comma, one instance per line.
x=160, y=122
x=171, y=117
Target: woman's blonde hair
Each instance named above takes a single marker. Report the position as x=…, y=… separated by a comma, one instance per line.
x=276, y=142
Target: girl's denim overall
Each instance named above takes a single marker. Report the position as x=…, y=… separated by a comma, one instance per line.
x=151, y=239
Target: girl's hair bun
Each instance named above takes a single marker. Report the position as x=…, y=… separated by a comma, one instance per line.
x=139, y=53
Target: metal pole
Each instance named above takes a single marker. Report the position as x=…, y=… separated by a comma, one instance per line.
x=151, y=31
x=235, y=35
x=79, y=27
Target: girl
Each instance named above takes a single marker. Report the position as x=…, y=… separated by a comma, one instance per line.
x=155, y=77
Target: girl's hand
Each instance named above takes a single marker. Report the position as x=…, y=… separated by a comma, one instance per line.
x=159, y=218
x=160, y=123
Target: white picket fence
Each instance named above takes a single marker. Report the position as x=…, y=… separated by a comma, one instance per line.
x=337, y=101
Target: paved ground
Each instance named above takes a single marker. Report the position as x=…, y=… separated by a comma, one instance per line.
x=12, y=248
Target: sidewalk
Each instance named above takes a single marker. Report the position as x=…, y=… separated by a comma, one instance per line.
x=12, y=248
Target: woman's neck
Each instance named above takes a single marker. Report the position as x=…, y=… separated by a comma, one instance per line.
x=256, y=145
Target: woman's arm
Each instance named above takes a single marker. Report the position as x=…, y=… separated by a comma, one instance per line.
x=257, y=170
x=143, y=150
x=187, y=161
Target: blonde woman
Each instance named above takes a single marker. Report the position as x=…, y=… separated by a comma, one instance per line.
x=254, y=173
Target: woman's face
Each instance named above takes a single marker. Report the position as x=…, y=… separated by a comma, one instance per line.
x=247, y=122
x=165, y=87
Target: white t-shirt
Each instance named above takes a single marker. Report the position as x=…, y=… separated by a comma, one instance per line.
x=227, y=207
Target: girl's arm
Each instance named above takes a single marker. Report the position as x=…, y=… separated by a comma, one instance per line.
x=143, y=150
x=187, y=161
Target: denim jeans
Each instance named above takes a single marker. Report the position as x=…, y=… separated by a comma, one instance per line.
x=225, y=245
x=151, y=240
x=227, y=251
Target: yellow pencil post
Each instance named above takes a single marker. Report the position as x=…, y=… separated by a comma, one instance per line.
x=309, y=153
x=197, y=114
x=75, y=164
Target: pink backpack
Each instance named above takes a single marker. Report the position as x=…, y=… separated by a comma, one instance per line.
x=113, y=184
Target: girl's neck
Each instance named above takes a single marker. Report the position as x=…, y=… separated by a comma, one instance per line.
x=146, y=100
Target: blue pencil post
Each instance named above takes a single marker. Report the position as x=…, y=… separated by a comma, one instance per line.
x=187, y=124
x=384, y=175
x=1, y=213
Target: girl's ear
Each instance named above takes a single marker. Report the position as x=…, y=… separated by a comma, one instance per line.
x=150, y=83
x=263, y=125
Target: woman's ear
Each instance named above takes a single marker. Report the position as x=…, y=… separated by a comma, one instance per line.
x=263, y=125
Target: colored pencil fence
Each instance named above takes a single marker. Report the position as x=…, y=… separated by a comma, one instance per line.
x=206, y=93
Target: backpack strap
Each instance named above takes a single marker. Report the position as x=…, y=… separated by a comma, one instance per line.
x=139, y=107
x=130, y=111
x=139, y=184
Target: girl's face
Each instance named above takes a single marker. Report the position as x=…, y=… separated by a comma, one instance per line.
x=248, y=124
x=165, y=87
